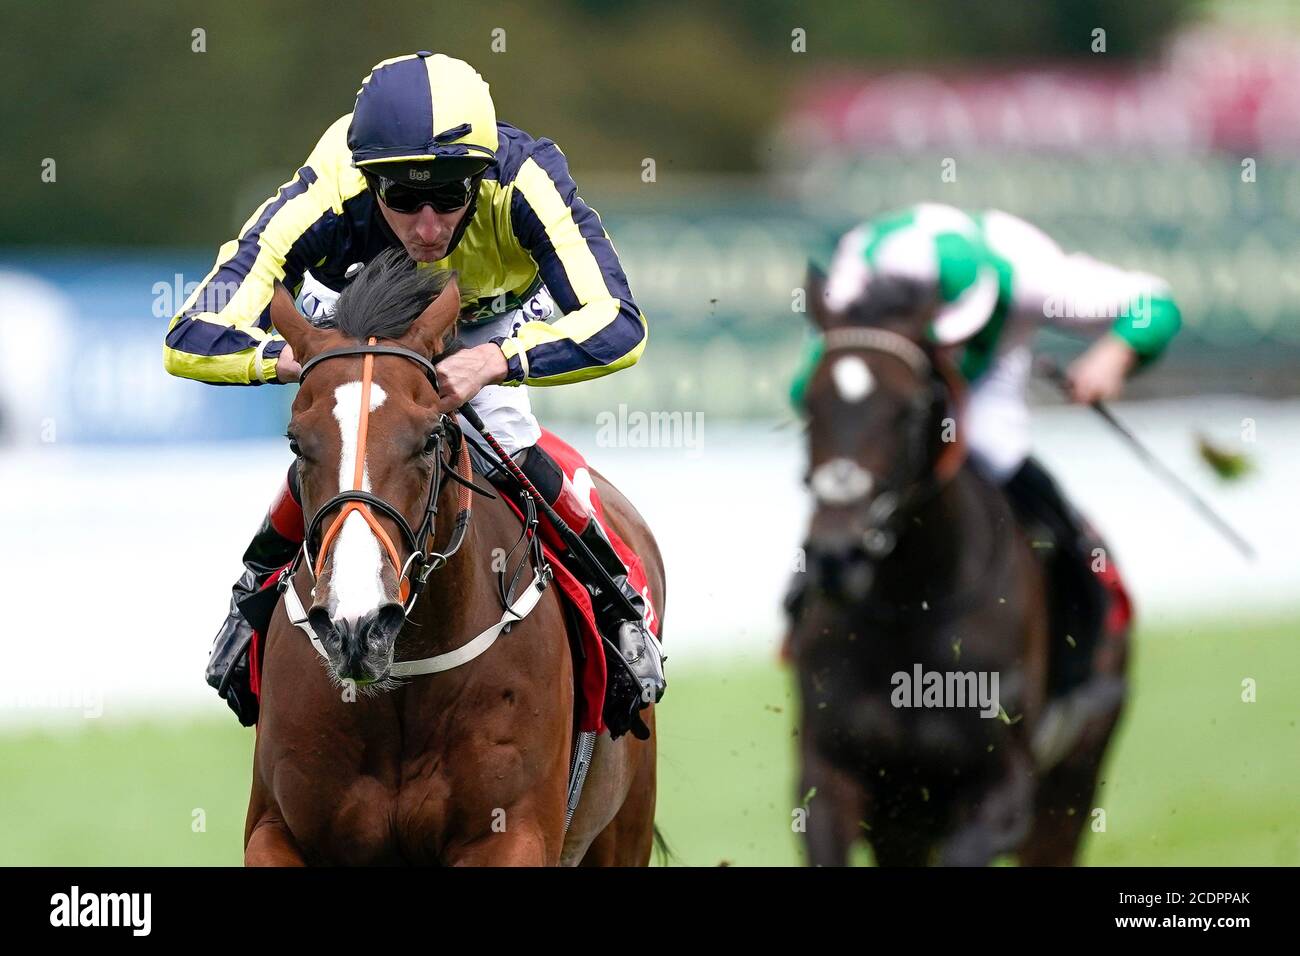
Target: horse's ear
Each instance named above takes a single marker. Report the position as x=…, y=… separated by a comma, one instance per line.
x=291, y=323
x=428, y=332
x=815, y=289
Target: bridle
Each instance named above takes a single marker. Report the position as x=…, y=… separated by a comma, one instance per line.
x=413, y=574
x=887, y=509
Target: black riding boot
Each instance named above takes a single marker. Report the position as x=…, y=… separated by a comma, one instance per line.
x=1078, y=600
x=635, y=657
x=267, y=553
x=637, y=646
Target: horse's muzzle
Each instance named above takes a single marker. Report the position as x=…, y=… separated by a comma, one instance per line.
x=841, y=569
x=360, y=649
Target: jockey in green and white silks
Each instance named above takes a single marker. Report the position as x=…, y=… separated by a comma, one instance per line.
x=999, y=280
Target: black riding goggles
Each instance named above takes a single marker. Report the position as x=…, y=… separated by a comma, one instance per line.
x=406, y=198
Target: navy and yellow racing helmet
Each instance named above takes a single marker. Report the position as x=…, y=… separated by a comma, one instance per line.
x=426, y=112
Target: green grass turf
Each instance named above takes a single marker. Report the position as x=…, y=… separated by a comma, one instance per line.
x=1197, y=777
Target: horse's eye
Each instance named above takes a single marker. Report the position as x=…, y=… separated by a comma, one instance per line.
x=295, y=447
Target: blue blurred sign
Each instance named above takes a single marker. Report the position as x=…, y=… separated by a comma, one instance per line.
x=95, y=323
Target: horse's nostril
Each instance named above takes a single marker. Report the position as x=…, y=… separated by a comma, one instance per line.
x=319, y=619
x=388, y=620
x=856, y=580
x=837, y=548
x=358, y=647
x=842, y=568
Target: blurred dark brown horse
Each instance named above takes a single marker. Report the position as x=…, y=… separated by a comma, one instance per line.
x=469, y=766
x=920, y=641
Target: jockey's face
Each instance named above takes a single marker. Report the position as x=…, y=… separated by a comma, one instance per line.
x=425, y=234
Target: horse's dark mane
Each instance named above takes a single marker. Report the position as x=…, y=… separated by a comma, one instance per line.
x=388, y=295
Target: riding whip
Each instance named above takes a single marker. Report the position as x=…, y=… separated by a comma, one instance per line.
x=1048, y=367
x=571, y=539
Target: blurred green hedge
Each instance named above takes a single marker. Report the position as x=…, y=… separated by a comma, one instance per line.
x=155, y=143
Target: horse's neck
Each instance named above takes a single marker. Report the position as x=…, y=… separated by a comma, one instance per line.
x=942, y=547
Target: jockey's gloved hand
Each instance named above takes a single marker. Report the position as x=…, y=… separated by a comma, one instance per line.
x=317, y=299
x=464, y=373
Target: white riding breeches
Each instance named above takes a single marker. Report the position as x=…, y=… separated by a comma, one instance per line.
x=997, y=417
x=1049, y=287
x=505, y=409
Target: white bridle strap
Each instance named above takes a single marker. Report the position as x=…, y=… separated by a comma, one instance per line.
x=517, y=611
x=879, y=340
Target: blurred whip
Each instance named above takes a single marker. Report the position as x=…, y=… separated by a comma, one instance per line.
x=1047, y=367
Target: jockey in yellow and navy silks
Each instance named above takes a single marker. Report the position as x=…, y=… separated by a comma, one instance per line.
x=526, y=227
x=422, y=163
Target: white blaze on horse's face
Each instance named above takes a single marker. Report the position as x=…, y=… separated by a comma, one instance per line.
x=356, y=576
x=852, y=378
x=841, y=481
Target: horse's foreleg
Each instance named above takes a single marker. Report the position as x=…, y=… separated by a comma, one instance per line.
x=999, y=821
x=271, y=844
x=833, y=813
x=524, y=843
x=1066, y=796
x=623, y=773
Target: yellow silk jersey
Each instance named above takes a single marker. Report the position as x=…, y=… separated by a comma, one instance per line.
x=529, y=227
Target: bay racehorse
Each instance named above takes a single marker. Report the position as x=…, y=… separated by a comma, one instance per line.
x=920, y=641
x=356, y=760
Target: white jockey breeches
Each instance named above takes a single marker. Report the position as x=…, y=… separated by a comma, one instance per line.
x=506, y=410
x=997, y=418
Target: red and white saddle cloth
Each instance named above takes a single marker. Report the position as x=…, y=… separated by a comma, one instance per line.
x=588, y=651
